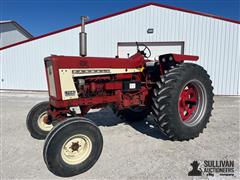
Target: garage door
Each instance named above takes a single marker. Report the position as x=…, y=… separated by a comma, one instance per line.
x=127, y=49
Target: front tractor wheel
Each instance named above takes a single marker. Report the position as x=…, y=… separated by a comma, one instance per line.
x=72, y=147
x=182, y=102
x=37, y=121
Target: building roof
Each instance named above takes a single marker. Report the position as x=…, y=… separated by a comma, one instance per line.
x=19, y=27
x=122, y=12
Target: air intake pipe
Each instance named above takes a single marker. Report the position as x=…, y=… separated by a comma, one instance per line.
x=83, y=38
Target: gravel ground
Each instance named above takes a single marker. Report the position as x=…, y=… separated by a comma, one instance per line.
x=131, y=151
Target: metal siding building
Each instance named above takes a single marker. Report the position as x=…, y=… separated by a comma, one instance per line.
x=216, y=41
x=11, y=32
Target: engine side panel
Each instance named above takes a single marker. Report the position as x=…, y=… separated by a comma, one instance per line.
x=67, y=76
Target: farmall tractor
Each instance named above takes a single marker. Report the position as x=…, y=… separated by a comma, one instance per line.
x=177, y=94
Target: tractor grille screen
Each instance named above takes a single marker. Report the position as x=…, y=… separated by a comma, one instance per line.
x=51, y=83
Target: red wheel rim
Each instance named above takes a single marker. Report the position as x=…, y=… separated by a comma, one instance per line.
x=188, y=101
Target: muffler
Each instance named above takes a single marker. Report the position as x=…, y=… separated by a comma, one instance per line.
x=83, y=37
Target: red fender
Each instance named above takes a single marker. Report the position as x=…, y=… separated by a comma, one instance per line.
x=181, y=57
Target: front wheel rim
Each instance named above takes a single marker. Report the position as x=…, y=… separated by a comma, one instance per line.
x=76, y=149
x=192, y=102
x=42, y=119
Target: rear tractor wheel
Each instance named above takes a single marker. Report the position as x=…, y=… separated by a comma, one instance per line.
x=182, y=102
x=37, y=121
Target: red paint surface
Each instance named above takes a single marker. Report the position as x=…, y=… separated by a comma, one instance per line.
x=83, y=101
x=181, y=57
x=188, y=94
x=113, y=85
x=135, y=61
x=72, y=62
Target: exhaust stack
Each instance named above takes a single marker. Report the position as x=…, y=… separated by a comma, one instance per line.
x=83, y=38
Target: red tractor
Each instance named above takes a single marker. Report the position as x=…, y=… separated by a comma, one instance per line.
x=177, y=94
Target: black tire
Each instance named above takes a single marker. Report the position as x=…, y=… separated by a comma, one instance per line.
x=54, y=153
x=167, y=108
x=32, y=121
x=131, y=114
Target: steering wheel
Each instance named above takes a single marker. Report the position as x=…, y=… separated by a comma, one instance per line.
x=146, y=55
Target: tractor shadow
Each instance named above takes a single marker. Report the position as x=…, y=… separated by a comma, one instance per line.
x=105, y=117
